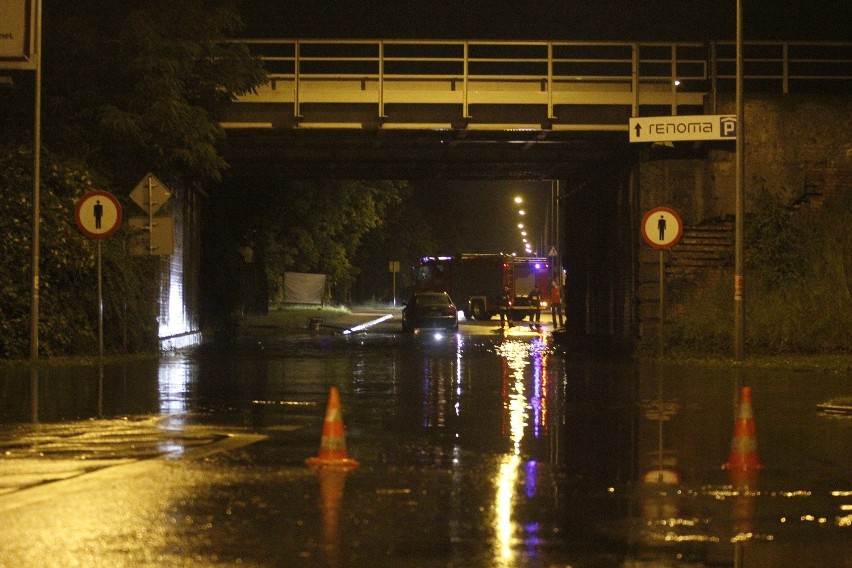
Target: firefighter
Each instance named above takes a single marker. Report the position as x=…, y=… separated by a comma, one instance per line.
x=506, y=307
x=555, y=304
x=535, y=303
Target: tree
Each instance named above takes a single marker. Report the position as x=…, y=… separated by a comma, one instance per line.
x=138, y=84
x=68, y=302
x=405, y=236
x=128, y=87
x=300, y=226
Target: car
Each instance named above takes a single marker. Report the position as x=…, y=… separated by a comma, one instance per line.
x=430, y=309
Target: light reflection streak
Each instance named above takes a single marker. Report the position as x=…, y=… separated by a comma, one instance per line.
x=517, y=357
x=174, y=384
x=458, y=389
x=506, y=479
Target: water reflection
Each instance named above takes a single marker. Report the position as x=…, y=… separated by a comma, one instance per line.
x=176, y=378
x=517, y=478
x=540, y=452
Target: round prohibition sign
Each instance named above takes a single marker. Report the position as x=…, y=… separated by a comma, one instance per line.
x=662, y=227
x=98, y=214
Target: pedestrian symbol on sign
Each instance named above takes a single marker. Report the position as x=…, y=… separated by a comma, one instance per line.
x=98, y=214
x=662, y=227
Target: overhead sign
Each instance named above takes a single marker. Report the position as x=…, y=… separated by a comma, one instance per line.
x=16, y=31
x=98, y=214
x=680, y=128
x=662, y=227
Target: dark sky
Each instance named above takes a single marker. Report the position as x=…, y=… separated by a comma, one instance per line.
x=641, y=20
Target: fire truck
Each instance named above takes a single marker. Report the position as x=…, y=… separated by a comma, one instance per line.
x=475, y=282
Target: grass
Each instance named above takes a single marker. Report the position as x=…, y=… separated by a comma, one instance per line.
x=826, y=362
x=294, y=316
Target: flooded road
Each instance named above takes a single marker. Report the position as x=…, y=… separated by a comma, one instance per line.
x=475, y=449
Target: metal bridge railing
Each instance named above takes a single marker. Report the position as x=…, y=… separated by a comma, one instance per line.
x=547, y=73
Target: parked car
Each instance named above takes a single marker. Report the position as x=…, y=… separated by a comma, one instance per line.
x=430, y=309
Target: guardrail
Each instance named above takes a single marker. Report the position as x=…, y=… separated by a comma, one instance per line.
x=549, y=73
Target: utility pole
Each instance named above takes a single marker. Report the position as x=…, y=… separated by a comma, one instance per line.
x=36, y=245
x=739, y=213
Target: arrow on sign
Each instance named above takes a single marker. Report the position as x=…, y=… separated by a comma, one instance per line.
x=638, y=130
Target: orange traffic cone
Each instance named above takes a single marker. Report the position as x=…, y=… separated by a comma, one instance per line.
x=744, y=463
x=332, y=450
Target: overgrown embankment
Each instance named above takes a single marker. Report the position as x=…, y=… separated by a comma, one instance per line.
x=798, y=295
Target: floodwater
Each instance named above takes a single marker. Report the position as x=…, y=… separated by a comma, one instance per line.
x=475, y=449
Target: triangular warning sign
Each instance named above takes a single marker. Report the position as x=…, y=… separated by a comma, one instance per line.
x=552, y=252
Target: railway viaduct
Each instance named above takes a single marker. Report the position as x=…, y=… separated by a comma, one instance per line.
x=560, y=111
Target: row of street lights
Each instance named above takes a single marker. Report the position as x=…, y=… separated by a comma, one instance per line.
x=528, y=248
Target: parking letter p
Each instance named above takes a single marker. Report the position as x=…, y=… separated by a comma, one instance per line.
x=728, y=126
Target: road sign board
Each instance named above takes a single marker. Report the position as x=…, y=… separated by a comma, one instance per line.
x=679, y=128
x=552, y=252
x=155, y=239
x=98, y=214
x=150, y=193
x=662, y=227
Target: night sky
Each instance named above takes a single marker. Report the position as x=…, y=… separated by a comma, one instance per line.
x=641, y=20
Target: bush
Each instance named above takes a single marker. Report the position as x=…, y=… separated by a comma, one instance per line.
x=68, y=322
x=797, y=296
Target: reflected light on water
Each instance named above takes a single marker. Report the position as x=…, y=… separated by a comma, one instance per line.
x=174, y=381
x=506, y=479
x=518, y=356
x=458, y=389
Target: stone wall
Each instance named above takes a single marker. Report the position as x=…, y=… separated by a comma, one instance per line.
x=798, y=147
x=790, y=140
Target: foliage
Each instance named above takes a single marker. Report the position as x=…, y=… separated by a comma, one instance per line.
x=300, y=226
x=128, y=87
x=67, y=267
x=797, y=297
x=405, y=236
x=149, y=79
x=775, y=241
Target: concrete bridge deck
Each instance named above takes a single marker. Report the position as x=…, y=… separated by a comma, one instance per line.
x=501, y=85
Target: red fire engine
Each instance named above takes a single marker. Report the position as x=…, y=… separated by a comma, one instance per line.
x=475, y=281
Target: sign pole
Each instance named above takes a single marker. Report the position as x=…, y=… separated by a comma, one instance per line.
x=393, y=268
x=36, y=244
x=662, y=228
x=661, y=313
x=100, y=303
x=100, y=331
x=739, y=213
x=98, y=215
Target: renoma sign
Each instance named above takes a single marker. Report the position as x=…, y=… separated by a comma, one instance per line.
x=679, y=128
x=16, y=33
